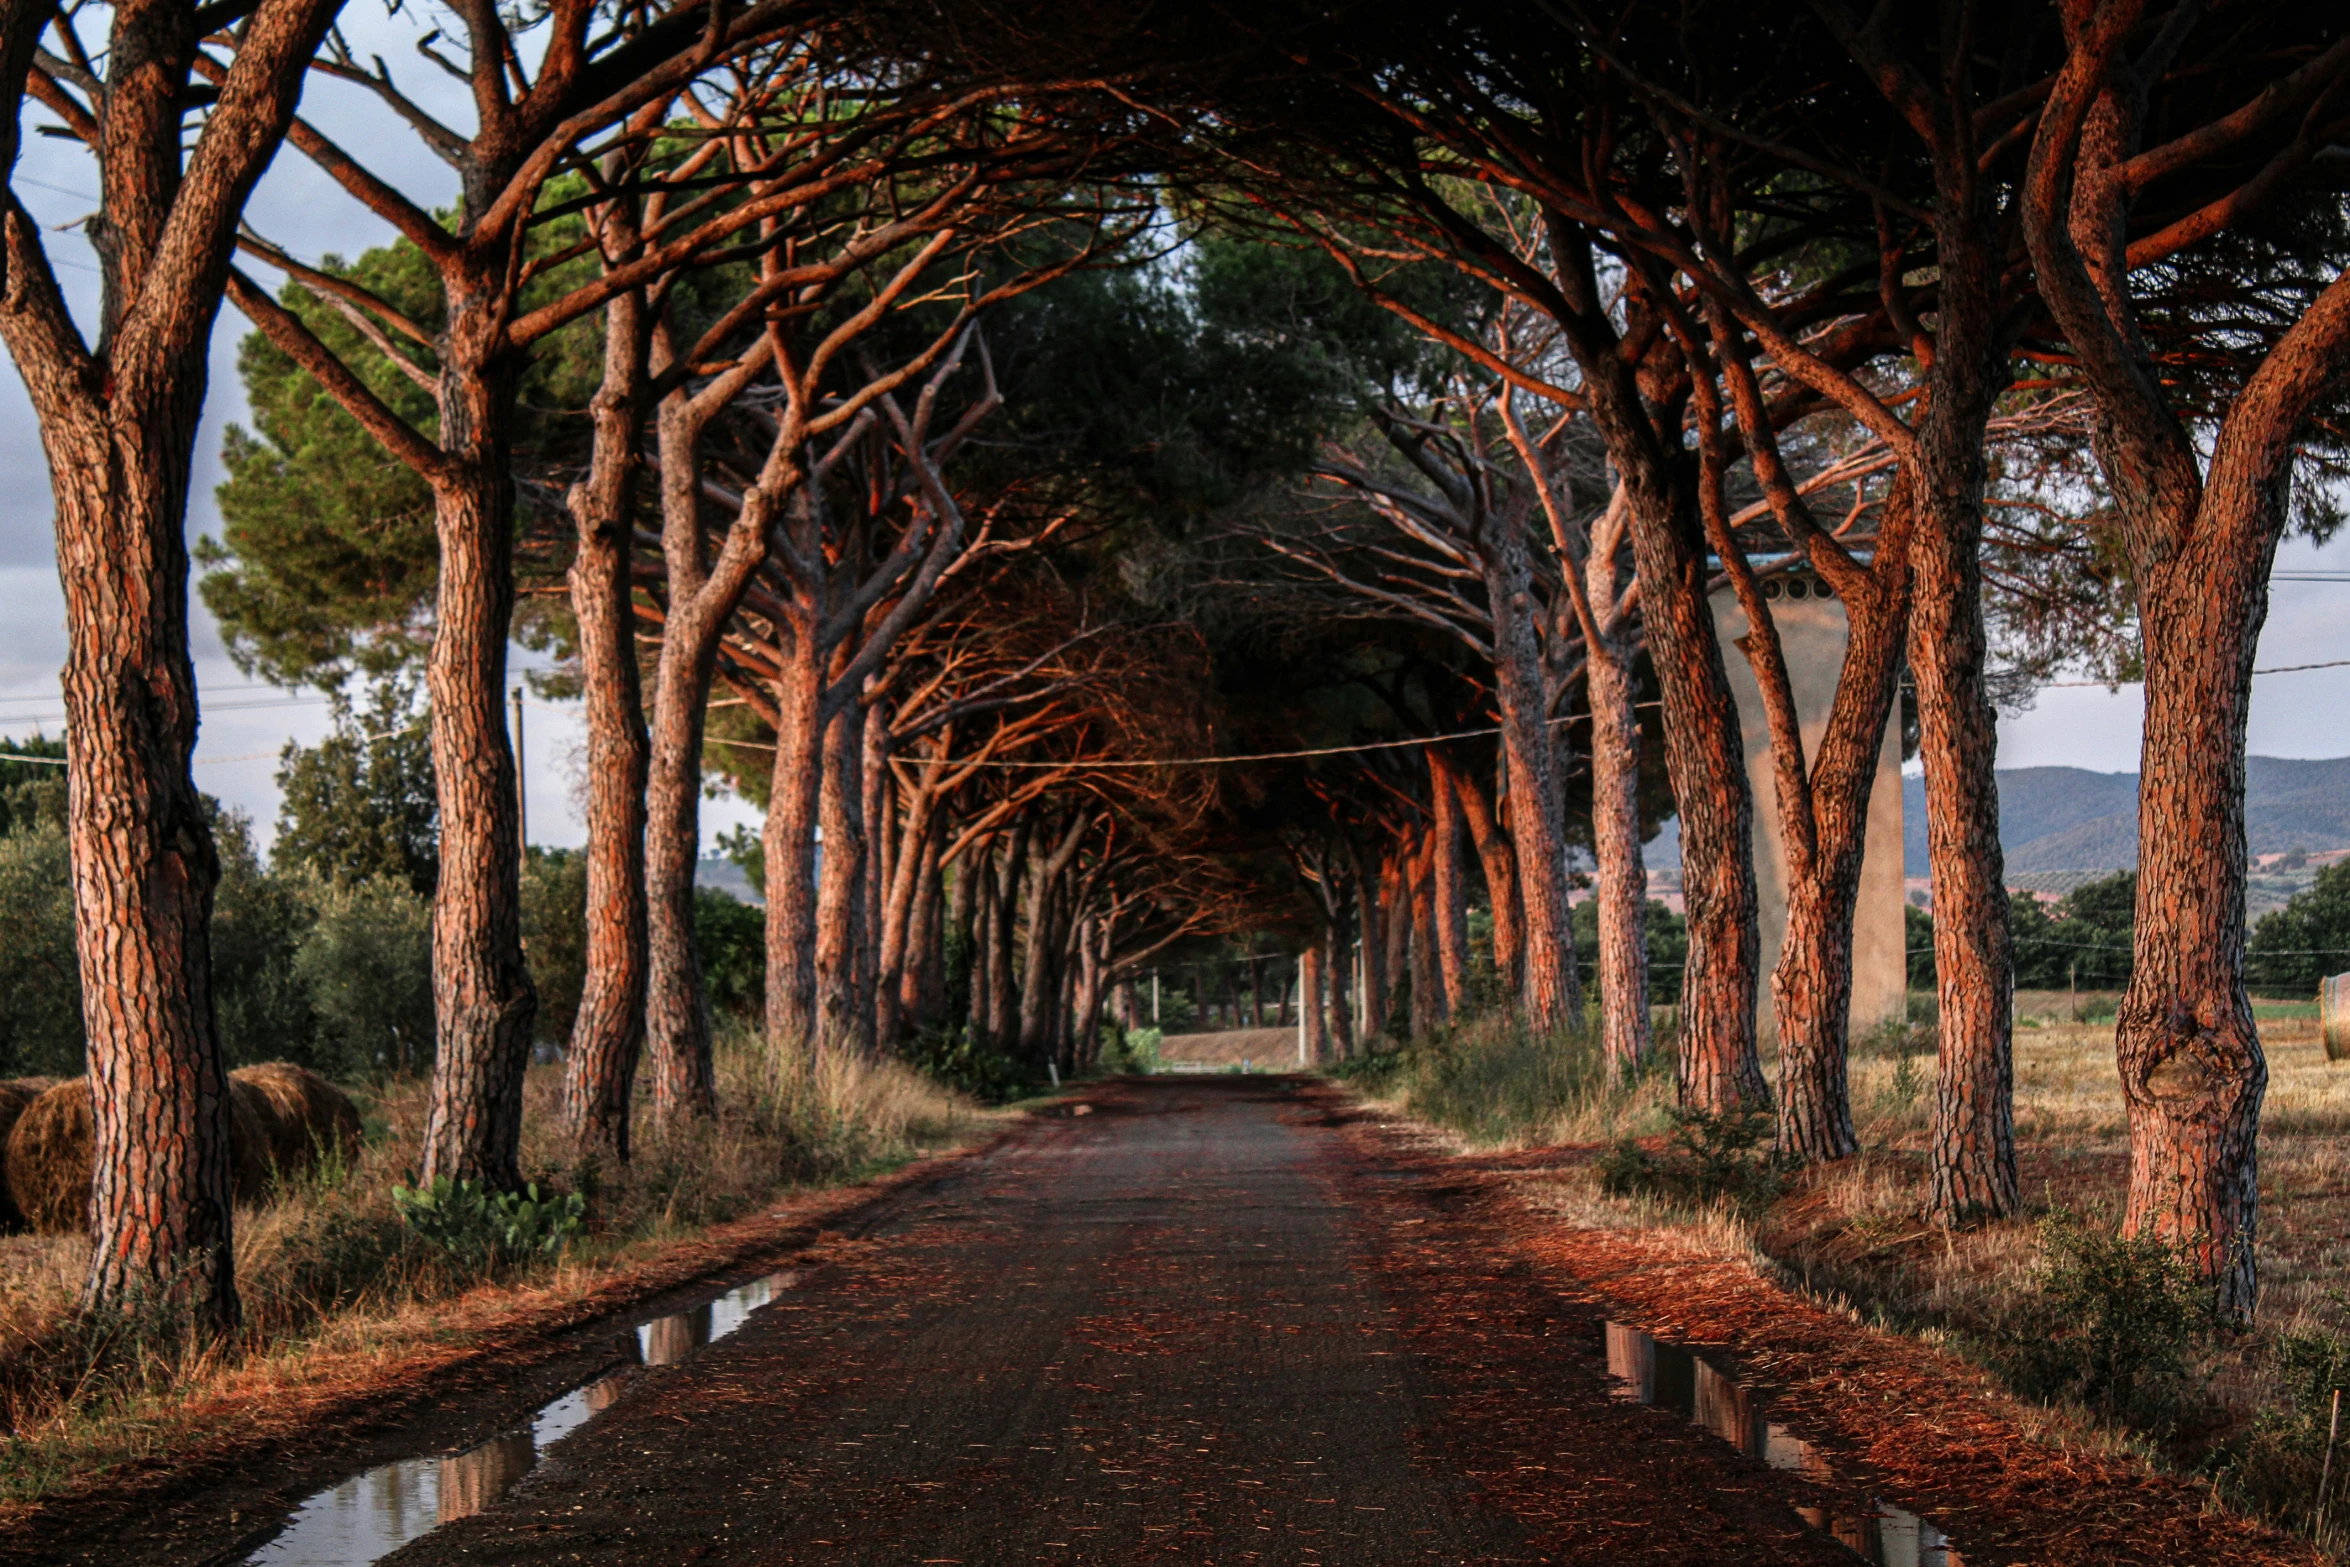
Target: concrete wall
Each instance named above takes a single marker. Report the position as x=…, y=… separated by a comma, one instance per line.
x=1812, y=635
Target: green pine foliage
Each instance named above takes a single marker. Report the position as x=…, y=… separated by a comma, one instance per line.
x=2306, y=940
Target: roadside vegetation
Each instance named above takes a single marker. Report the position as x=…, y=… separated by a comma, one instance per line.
x=342, y=1277
x=2112, y=1333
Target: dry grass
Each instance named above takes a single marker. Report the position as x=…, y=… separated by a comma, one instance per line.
x=335, y=1287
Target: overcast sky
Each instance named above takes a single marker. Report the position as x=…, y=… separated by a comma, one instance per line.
x=2297, y=715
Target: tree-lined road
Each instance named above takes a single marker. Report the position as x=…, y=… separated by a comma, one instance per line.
x=1185, y=1320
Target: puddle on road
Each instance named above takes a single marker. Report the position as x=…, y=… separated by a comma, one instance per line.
x=1648, y=1371
x=371, y=1515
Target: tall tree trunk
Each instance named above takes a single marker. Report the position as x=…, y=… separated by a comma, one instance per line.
x=1310, y=1005
x=915, y=997
x=2193, y=1075
x=840, y=905
x=483, y=1003
x=1339, y=971
x=882, y=836
x=600, y=1068
x=1498, y=857
x=1448, y=889
x=1396, y=887
x=119, y=426
x=979, y=869
x=1429, y=1011
x=1003, y=991
x=1371, y=882
x=1549, y=992
x=1973, y=1164
x=1622, y=883
x=702, y=596
x=793, y=803
x=1705, y=757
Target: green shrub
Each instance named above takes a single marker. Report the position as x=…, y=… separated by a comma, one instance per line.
x=730, y=943
x=1131, y=1049
x=953, y=1057
x=2274, y=1466
x=1708, y=1158
x=554, y=937
x=368, y=963
x=2114, y=1323
x=485, y=1228
x=40, y=977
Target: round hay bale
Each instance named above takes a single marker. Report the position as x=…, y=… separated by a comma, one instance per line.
x=48, y=1163
x=248, y=1142
x=306, y=1113
x=49, y=1159
x=13, y=1099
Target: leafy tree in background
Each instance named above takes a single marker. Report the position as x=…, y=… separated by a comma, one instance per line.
x=32, y=792
x=367, y=964
x=40, y=984
x=554, y=936
x=261, y=1002
x=730, y=943
x=2295, y=947
x=360, y=804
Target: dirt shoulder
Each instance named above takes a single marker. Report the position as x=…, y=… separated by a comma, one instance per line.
x=282, y=1427
x=1922, y=1429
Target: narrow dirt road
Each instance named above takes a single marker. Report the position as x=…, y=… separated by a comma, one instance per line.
x=1181, y=1320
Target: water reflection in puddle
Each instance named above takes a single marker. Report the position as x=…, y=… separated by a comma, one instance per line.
x=1649, y=1372
x=373, y=1514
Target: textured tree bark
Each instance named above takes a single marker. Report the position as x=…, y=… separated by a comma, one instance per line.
x=1429, y=1012
x=793, y=802
x=1542, y=974
x=483, y=1002
x=143, y=862
x=1338, y=971
x=1310, y=1005
x=1718, y=1067
x=979, y=868
x=119, y=426
x=840, y=894
x=1003, y=992
x=1396, y=889
x=1498, y=858
x=1371, y=897
x=702, y=595
x=2193, y=1074
x=1449, y=893
x=2201, y=537
x=600, y=1068
x=1048, y=916
x=1622, y=881
x=913, y=988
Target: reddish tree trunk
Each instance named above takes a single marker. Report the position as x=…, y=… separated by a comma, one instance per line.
x=143, y=861
x=1499, y=860
x=1449, y=892
x=1371, y=897
x=483, y=1000
x=600, y=1070
x=1310, y=1005
x=1542, y=969
x=119, y=426
x=1429, y=1012
x=793, y=801
x=1003, y=992
x=702, y=595
x=1704, y=751
x=1622, y=884
x=840, y=894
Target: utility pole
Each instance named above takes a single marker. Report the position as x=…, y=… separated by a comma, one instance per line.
x=521, y=795
x=1154, y=998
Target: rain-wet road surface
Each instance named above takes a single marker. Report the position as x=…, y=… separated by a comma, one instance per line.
x=1192, y=1321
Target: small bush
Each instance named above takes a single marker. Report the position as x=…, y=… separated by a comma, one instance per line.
x=1708, y=1158
x=952, y=1057
x=2275, y=1466
x=476, y=1225
x=2114, y=1324
x=1131, y=1050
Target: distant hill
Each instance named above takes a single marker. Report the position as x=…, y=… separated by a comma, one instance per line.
x=2071, y=819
